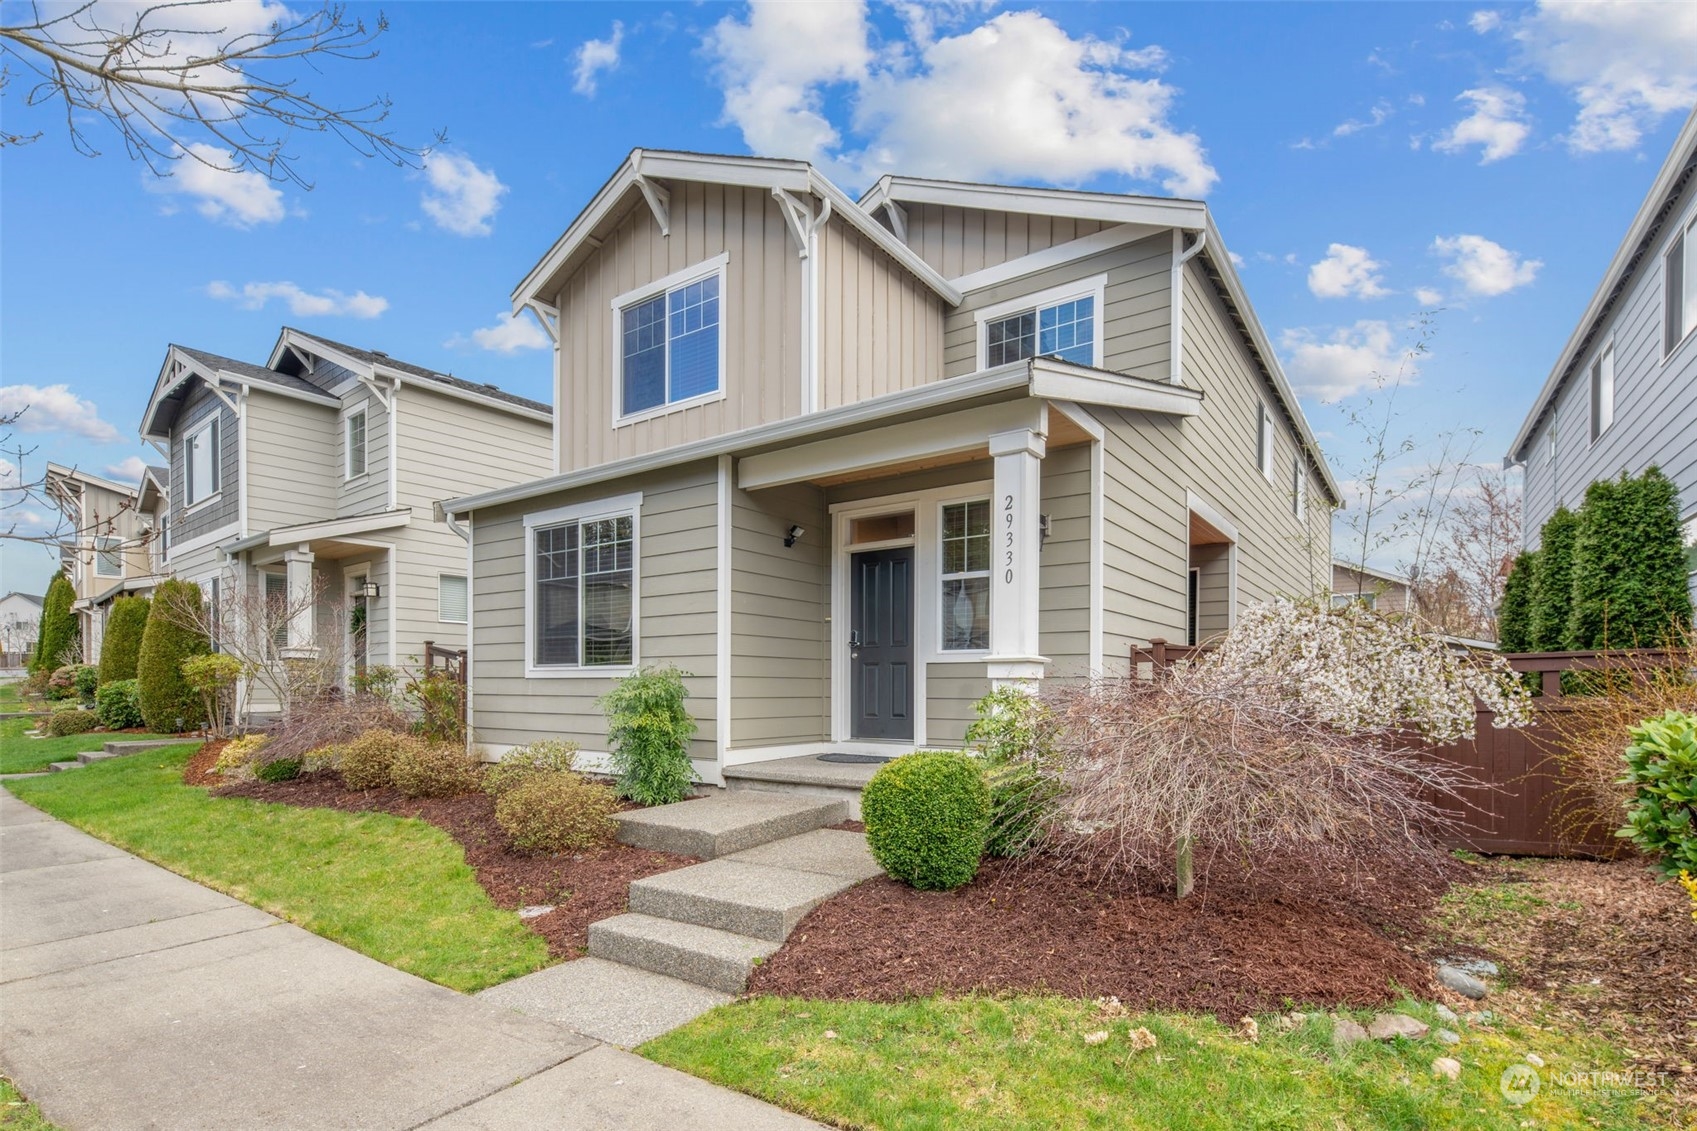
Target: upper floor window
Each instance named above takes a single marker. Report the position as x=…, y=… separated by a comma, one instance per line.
x=1691, y=546
x=1061, y=322
x=1603, y=392
x=1680, y=295
x=200, y=463
x=356, y=444
x=966, y=576
x=1264, y=445
x=583, y=574
x=108, y=557
x=671, y=349
x=1298, y=486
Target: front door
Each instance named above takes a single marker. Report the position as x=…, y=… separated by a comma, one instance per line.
x=881, y=644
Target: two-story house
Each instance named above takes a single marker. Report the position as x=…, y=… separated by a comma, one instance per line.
x=850, y=463
x=1623, y=393
x=308, y=483
x=112, y=546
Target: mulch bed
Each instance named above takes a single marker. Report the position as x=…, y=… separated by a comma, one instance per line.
x=582, y=887
x=1234, y=947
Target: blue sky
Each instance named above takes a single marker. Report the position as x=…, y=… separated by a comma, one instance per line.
x=1364, y=161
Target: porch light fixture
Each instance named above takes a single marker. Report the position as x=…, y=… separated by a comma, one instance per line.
x=792, y=535
x=368, y=589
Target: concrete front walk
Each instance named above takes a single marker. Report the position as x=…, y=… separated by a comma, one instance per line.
x=133, y=998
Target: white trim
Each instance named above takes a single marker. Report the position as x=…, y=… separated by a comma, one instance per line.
x=470, y=631
x=1181, y=256
x=1056, y=255
x=957, y=655
x=394, y=601
x=753, y=755
x=176, y=549
x=349, y=572
x=394, y=405
x=337, y=527
x=1098, y=543
x=465, y=577
x=212, y=424
x=718, y=265
x=241, y=463
x=1206, y=512
x=1597, y=430
x=1094, y=287
x=1107, y=207
x=722, y=614
x=1053, y=379
x=1266, y=440
x=613, y=507
x=361, y=410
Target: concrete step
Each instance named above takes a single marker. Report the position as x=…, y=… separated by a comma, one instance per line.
x=722, y=823
x=805, y=776
x=61, y=767
x=755, y=900
x=609, y=1001
x=833, y=852
x=136, y=746
x=88, y=756
x=716, y=959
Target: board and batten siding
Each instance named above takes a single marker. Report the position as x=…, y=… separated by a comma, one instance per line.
x=199, y=407
x=881, y=329
x=367, y=493
x=1135, y=324
x=293, y=461
x=958, y=241
x=760, y=320
x=677, y=555
x=780, y=618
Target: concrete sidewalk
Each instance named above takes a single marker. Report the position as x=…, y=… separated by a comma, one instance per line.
x=133, y=998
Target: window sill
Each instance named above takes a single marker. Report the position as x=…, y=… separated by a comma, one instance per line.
x=608, y=671
x=959, y=656
x=346, y=479
x=202, y=504
x=668, y=409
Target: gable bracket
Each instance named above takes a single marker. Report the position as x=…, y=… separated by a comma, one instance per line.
x=659, y=199
x=382, y=390
x=548, y=316
x=898, y=219
x=215, y=387
x=800, y=220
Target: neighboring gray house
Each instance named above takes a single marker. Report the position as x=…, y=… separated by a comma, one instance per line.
x=1385, y=592
x=1623, y=393
x=849, y=464
x=315, y=475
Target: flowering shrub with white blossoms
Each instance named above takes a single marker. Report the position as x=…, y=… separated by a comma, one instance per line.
x=1361, y=672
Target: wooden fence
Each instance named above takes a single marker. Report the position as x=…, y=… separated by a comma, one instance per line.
x=1517, y=809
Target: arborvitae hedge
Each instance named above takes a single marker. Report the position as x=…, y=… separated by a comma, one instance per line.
x=168, y=704
x=1552, y=589
x=1629, y=575
x=120, y=648
x=1514, y=618
x=58, y=625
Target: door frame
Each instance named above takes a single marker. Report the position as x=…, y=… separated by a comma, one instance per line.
x=927, y=510
x=907, y=548
x=360, y=570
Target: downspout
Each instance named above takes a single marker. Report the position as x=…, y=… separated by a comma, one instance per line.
x=1181, y=256
x=815, y=299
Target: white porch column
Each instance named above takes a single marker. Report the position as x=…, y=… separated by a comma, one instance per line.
x=1015, y=543
x=303, y=621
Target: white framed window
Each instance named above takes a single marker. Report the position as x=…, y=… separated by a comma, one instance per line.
x=108, y=557
x=1679, y=293
x=355, y=444
x=1298, y=487
x=1264, y=445
x=277, y=609
x=1603, y=392
x=582, y=583
x=670, y=343
x=1691, y=546
x=964, y=541
x=452, y=598
x=200, y=464
x=1063, y=322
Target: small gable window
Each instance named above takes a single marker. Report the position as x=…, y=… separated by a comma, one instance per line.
x=200, y=463
x=1066, y=330
x=671, y=348
x=356, y=444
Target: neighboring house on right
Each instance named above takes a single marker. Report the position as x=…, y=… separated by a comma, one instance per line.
x=1623, y=394
x=1384, y=592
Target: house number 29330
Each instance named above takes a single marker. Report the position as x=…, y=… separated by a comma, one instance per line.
x=1007, y=535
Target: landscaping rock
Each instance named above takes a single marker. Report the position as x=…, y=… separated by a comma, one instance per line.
x=535, y=910
x=1389, y=1026
x=1447, y=1036
x=1445, y=1013
x=1478, y=967
x=1480, y=1017
x=1447, y=1067
x=1346, y=1032
x=1462, y=982
x=1534, y=1060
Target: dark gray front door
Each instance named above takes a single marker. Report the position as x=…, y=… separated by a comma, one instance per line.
x=881, y=644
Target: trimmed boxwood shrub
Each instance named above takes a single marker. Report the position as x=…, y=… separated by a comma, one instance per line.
x=70, y=720
x=121, y=646
x=927, y=816
x=58, y=630
x=649, y=731
x=118, y=704
x=547, y=756
x=168, y=703
x=434, y=769
x=1662, y=815
x=368, y=761
x=557, y=812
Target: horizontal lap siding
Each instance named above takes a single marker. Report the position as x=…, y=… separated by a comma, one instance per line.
x=780, y=618
x=1064, y=569
x=881, y=329
x=1213, y=605
x=951, y=692
x=760, y=318
x=958, y=241
x=294, y=463
x=676, y=617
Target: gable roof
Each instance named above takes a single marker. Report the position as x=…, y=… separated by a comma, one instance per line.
x=376, y=361
x=1671, y=180
x=30, y=597
x=183, y=366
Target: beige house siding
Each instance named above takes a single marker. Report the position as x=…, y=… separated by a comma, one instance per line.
x=369, y=492
x=957, y=241
x=881, y=329
x=1135, y=324
x=1064, y=564
x=951, y=690
x=677, y=556
x=1213, y=605
x=760, y=319
x=292, y=462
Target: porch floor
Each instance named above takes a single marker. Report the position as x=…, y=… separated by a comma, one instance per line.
x=806, y=770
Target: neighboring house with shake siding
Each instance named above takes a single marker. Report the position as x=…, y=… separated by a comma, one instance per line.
x=849, y=464
x=313, y=477
x=1623, y=393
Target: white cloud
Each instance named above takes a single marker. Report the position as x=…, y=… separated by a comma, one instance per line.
x=1346, y=272
x=1013, y=98
x=509, y=334
x=304, y=304
x=239, y=199
x=1376, y=117
x=1483, y=267
x=462, y=197
x=1484, y=21
x=1349, y=360
x=128, y=469
x=54, y=408
x=1426, y=296
x=1498, y=124
x=1237, y=260
x=1628, y=65
x=595, y=56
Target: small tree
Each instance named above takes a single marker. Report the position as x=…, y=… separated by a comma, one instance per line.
x=58, y=633
x=1514, y=616
x=168, y=703
x=213, y=676
x=1552, y=588
x=121, y=646
x=1629, y=570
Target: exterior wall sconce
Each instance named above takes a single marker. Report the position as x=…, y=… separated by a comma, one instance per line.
x=1042, y=529
x=792, y=535
x=369, y=590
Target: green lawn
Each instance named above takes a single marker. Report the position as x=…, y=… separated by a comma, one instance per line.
x=11, y=695
x=17, y=1113
x=394, y=888
x=1023, y=1062
x=23, y=755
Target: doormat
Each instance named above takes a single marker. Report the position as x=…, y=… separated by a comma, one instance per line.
x=853, y=759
